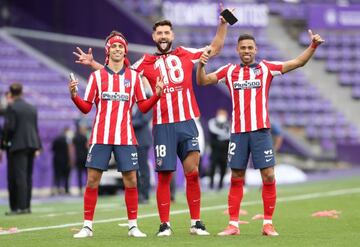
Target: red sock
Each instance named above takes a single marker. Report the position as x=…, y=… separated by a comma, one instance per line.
x=131, y=201
x=193, y=194
x=269, y=199
x=90, y=198
x=234, y=198
x=163, y=195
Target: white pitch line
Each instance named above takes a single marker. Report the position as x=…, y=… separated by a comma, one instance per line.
x=281, y=199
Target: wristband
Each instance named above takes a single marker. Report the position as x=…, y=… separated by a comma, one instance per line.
x=314, y=45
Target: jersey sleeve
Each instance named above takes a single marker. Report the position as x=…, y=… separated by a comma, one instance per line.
x=193, y=53
x=274, y=67
x=91, y=89
x=138, y=66
x=140, y=93
x=221, y=73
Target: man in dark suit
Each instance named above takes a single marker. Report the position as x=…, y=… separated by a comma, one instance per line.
x=22, y=140
x=143, y=135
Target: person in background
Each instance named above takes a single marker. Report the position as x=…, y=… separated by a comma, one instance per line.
x=21, y=137
x=81, y=147
x=219, y=129
x=141, y=123
x=61, y=162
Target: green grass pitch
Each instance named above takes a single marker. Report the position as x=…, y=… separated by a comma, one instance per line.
x=51, y=224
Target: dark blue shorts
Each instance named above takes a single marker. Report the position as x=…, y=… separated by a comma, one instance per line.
x=258, y=143
x=125, y=156
x=172, y=140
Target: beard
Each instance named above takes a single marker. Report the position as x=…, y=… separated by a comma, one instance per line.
x=164, y=50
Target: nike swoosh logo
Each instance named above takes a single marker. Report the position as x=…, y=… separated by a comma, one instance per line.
x=194, y=144
x=196, y=200
x=267, y=160
x=164, y=204
x=134, y=163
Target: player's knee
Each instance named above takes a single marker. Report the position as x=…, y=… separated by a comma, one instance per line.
x=268, y=175
x=130, y=180
x=92, y=182
x=237, y=173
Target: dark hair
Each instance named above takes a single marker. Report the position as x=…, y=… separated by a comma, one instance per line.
x=16, y=89
x=162, y=23
x=115, y=33
x=246, y=36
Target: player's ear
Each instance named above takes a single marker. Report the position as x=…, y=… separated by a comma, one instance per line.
x=153, y=36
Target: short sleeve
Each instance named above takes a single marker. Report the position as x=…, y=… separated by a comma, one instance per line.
x=138, y=66
x=274, y=67
x=193, y=53
x=221, y=73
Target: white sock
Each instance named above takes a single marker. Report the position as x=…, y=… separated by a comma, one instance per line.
x=234, y=223
x=193, y=222
x=168, y=223
x=267, y=222
x=132, y=223
x=88, y=223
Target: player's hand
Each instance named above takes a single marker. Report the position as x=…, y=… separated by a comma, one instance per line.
x=315, y=38
x=205, y=56
x=159, y=85
x=73, y=88
x=84, y=58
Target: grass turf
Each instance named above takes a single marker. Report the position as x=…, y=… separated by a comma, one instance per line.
x=292, y=219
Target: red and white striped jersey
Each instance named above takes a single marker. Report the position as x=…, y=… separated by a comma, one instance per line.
x=114, y=95
x=177, y=102
x=249, y=90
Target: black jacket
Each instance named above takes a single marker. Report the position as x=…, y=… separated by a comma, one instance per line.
x=21, y=126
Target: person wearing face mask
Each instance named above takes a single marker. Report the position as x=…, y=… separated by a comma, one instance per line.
x=219, y=128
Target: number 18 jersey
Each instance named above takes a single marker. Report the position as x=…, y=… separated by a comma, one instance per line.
x=178, y=101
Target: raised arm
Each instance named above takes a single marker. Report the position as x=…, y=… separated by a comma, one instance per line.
x=202, y=78
x=304, y=57
x=218, y=42
x=87, y=59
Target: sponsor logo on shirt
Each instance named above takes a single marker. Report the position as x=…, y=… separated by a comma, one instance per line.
x=247, y=84
x=172, y=89
x=115, y=96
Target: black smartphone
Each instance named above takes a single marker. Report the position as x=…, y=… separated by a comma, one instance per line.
x=229, y=16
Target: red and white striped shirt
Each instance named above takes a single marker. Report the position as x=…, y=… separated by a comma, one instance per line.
x=178, y=101
x=249, y=90
x=114, y=95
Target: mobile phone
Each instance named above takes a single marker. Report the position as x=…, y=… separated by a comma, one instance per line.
x=72, y=78
x=229, y=16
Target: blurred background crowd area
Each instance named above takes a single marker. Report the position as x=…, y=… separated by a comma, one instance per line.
x=317, y=106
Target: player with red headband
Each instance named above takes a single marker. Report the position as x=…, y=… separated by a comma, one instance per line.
x=113, y=89
x=175, y=132
x=249, y=84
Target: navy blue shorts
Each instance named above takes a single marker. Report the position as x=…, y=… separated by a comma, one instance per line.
x=258, y=143
x=125, y=156
x=172, y=140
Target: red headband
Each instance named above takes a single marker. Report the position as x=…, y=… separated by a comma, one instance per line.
x=112, y=40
